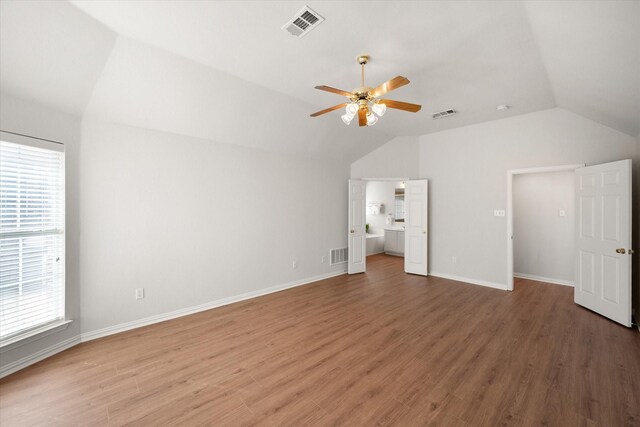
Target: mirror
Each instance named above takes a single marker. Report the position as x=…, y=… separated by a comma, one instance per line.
x=399, y=204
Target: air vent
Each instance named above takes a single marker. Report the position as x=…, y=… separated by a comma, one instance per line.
x=303, y=22
x=443, y=114
x=339, y=256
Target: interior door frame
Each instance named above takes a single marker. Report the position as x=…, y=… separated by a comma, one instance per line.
x=365, y=196
x=509, y=213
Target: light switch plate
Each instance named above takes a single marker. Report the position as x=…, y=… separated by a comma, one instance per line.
x=562, y=212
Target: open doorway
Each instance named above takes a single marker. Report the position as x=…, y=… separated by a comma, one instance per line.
x=543, y=227
x=385, y=217
x=540, y=224
x=602, y=235
x=399, y=219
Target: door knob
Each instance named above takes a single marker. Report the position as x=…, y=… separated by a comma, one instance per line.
x=352, y=231
x=621, y=251
x=424, y=232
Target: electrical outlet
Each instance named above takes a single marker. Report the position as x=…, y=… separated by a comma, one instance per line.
x=324, y=259
x=499, y=212
x=139, y=293
x=294, y=265
x=454, y=260
x=562, y=212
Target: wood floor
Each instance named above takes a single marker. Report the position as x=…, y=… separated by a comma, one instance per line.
x=383, y=348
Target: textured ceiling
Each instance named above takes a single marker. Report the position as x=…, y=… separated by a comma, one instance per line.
x=226, y=71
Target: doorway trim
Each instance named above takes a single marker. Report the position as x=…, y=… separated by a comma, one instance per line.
x=509, y=213
x=367, y=180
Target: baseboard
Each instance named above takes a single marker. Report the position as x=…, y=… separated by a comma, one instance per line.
x=88, y=336
x=38, y=356
x=468, y=280
x=375, y=253
x=543, y=279
x=122, y=327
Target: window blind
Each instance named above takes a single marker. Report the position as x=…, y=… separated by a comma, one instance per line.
x=31, y=237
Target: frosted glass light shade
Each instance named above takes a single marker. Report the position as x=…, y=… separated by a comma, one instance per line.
x=379, y=109
x=352, y=109
x=346, y=118
x=371, y=119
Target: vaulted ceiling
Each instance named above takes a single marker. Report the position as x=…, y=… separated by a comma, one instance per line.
x=226, y=71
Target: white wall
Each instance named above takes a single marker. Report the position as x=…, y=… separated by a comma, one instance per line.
x=381, y=192
x=467, y=171
x=35, y=120
x=543, y=240
x=399, y=158
x=194, y=221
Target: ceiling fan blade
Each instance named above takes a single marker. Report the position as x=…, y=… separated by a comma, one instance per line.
x=338, y=91
x=362, y=117
x=328, y=110
x=390, y=85
x=404, y=106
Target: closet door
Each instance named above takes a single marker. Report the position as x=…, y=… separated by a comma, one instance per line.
x=603, y=240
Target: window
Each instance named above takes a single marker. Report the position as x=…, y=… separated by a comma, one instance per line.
x=31, y=235
x=399, y=205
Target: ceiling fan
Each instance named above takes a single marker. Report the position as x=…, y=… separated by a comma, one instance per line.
x=365, y=101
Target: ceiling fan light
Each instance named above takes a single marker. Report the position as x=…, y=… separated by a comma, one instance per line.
x=379, y=108
x=371, y=119
x=352, y=109
x=346, y=118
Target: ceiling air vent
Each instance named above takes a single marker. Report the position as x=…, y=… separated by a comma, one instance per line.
x=303, y=22
x=444, y=113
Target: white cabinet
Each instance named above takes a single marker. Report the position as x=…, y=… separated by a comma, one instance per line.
x=390, y=241
x=394, y=242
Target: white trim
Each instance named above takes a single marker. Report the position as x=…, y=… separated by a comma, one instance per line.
x=38, y=356
x=468, y=280
x=544, y=279
x=510, y=174
x=392, y=253
x=122, y=327
x=31, y=141
x=88, y=336
x=376, y=253
x=34, y=335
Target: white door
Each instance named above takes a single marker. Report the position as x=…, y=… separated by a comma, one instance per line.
x=603, y=240
x=357, y=233
x=415, y=224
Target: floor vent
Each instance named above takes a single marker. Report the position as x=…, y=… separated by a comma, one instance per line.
x=445, y=113
x=339, y=256
x=303, y=22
